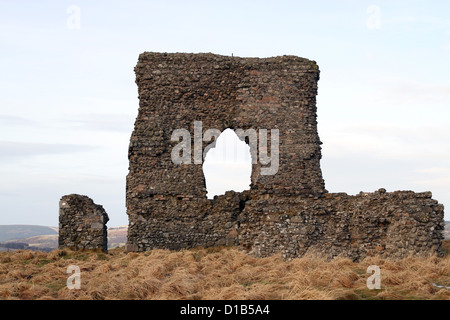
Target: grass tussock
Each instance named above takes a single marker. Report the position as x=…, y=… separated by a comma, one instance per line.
x=218, y=273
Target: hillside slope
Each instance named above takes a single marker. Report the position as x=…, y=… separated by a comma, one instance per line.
x=48, y=239
x=216, y=273
x=20, y=231
x=447, y=230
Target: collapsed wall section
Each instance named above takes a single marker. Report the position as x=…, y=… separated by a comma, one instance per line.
x=82, y=223
x=395, y=224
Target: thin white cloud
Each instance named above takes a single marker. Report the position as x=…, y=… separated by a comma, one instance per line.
x=11, y=120
x=410, y=92
x=434, y=170
x=11, y=149
x=387, y=142
x=101, y=122
x=420, y=24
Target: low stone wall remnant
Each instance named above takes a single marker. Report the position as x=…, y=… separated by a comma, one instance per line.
x=82, y=223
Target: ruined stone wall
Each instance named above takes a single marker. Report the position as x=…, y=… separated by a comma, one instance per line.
x=222, y=92
x=289, y=211
x=82, y=223
x=394, y=224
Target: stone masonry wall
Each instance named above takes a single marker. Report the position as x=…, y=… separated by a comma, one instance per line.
x=82, y=223
x=288, y=212
x=394, y=224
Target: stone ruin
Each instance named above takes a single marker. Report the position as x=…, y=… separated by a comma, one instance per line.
x=289, y=212
x=82, y=224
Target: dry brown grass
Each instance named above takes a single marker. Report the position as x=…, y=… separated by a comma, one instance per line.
x=217, y=273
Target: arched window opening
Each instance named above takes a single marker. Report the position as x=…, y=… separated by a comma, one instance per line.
x=228, y=166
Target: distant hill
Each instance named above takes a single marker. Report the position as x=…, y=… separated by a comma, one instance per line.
x=117, y=236
x=46, y=238
x=447, y=230
x=20, y=231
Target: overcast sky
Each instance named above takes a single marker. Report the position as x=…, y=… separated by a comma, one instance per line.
x=68, y=99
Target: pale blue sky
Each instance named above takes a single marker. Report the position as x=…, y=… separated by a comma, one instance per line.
x=68, y=98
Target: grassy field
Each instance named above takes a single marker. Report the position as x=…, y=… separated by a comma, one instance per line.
x=216, y=273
